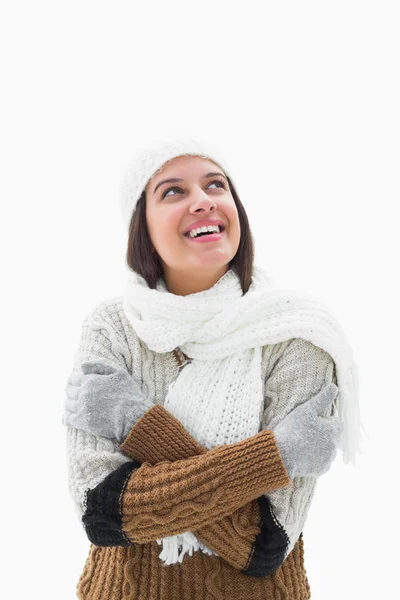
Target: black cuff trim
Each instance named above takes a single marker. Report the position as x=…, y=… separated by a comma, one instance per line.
x=103, y=519
x=271, y=544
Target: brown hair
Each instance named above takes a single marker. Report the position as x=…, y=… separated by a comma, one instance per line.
x=142, y=260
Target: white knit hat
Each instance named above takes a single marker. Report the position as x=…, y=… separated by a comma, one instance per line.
x=151, y=158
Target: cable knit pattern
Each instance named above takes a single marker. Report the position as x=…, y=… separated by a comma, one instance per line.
x=293, y=381
x=159, y=436
x=168, y=498
x=223, y=331
x=136, y=571
x=218, y=397
x=90, y=460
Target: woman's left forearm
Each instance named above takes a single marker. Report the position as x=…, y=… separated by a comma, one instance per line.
x=232, y=537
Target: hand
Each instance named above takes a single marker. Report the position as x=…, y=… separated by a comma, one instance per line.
x=307, y=440
x=104, y=399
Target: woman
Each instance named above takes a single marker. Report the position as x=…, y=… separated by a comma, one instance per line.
x=204, y=403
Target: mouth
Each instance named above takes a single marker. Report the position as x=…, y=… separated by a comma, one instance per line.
x=206, y=237
x=221, y=229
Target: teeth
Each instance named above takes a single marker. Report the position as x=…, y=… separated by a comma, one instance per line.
x=211, y=228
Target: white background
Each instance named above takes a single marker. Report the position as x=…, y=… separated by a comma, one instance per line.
x=303, y=100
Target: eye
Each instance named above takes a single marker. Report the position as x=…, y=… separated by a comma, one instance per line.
x=168, y=190
x=221, y=184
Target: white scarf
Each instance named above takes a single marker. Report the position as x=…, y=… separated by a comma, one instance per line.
x=224, y=332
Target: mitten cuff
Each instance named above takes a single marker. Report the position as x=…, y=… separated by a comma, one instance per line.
x=175, y=442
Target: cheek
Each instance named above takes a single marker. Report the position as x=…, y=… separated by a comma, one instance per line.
x=233, y=216
x=164, y=225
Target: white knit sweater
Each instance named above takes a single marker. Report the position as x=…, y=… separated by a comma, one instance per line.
x=292, y=372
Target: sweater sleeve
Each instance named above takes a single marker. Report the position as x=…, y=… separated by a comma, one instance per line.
x=159, y=436
x=300, y=372
x=137, y=502
x=257, y=537
x=90, y=458
x=144, y=502
x=124, y=501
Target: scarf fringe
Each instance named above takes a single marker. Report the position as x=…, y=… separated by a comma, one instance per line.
x=176, y=546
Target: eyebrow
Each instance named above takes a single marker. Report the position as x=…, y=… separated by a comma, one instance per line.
x=174, y=179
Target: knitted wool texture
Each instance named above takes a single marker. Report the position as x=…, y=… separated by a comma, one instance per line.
x=158, y=436
x=135, y=573
x=292, y=372
x=218, y=397
x=99, y=461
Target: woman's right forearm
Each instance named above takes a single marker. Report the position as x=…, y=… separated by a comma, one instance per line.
x=234, y=537
x=168, y=498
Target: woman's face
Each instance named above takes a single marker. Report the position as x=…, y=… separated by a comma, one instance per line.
x=172, y=208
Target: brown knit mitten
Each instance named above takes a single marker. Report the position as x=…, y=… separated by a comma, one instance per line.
x=159, y=436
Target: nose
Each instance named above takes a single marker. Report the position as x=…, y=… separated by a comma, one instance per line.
x=200, y=199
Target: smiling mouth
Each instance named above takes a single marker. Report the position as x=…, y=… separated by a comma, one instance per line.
x=205, y=234
x=206, y=237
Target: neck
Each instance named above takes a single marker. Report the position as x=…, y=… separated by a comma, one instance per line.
x=182, y=283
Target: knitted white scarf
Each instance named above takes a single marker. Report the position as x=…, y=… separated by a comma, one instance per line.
x=219, y=396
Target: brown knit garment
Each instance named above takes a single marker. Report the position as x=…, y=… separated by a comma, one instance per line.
x=171, y=497
x=165, y=438
x=207, y=492
x=136, y=573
